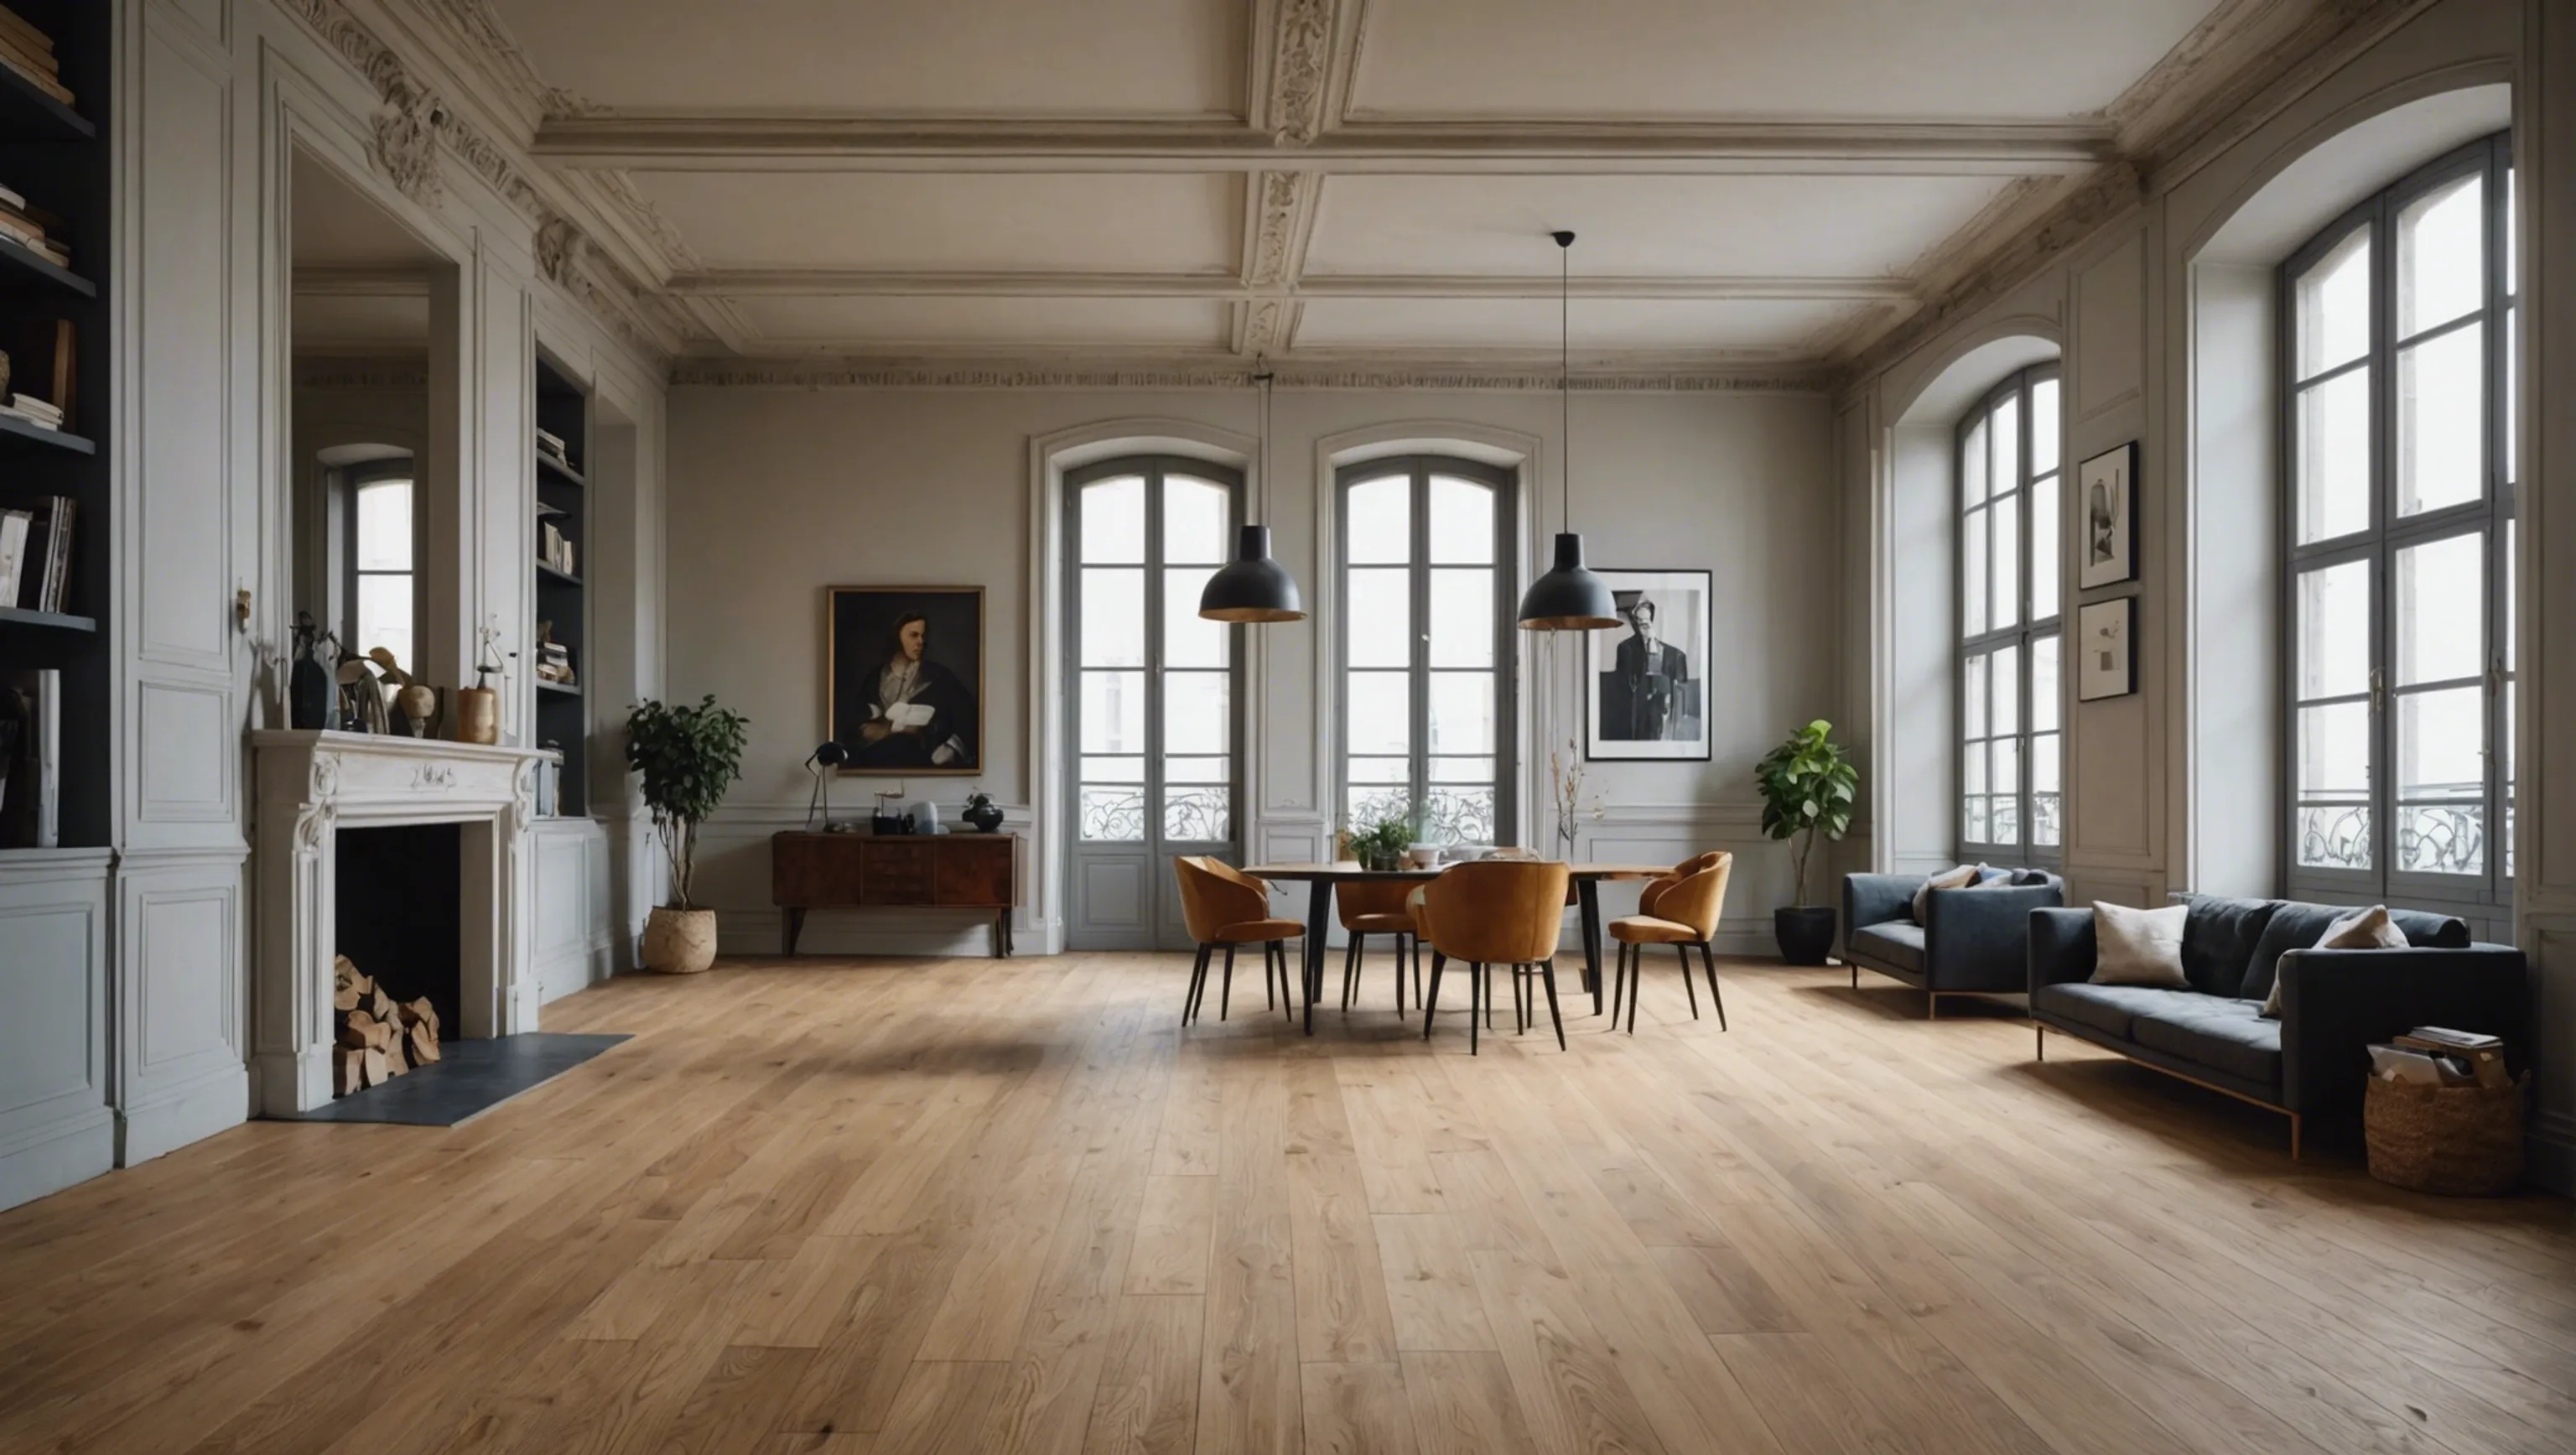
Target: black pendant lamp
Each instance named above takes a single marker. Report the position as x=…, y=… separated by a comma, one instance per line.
x=1252, y=587
x=1568, y=597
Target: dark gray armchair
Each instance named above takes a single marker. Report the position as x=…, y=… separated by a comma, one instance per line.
x=1969, y=942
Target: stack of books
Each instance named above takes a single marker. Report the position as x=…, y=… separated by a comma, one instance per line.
x=2439, y=1056
x=552, y=447
x=35, y=554
x=555, y=549
x=31, y=228
x=33, y=410
x=554, y=659
x=30, y=52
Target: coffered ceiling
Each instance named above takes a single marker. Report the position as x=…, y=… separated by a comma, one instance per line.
x=1756, y=184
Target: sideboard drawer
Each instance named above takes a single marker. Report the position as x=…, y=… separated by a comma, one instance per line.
x=975, y=873
x=898, y=873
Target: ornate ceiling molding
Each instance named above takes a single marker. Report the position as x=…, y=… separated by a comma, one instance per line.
x=1301, y=61
x=1221, y=374
x=1274, y=234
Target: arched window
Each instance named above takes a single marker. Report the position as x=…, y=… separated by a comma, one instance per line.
x=1425, y=649
x=2010, y=624
x=2397, y=528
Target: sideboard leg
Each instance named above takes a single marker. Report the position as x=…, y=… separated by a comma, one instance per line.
x=1002, y=935
x=792, y=919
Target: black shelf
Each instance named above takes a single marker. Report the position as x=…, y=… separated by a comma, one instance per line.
x=25, y=110
x=563, y=578
x=17, y=616
x=28, y=260
x=562, y=469
x=560, y=689
x=15, y=427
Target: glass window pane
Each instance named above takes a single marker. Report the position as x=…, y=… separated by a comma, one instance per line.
x=2043, y=684
x=1379, y=618
x=2007, y=436
x=1462, y=770
x=2441, y=609
x=2003, y=816
x=1972, y=697
x=2441, y=838
x=2334, y=457
x=384, y=526
x=1198, y=769
x=2334, y=306
x=2006, y=559
x=1195, y=716
x=2044, y=546
x=2512, y=402
x=1189, y=639
x=1194, y=521
x=2334, y=751
x=1972, y=770
x=1111, y=813
x=2441, y=421
x=1972, y=464
x=2334, y=630
x=1455, y=815
x=1378, y=519
x=2005, y=696
x=1113, y=770
x=1381, y=770
x=384, y=617
x=1462, y=617
x=1113, y=712
x=2334, y=835
x=2046, y=763
x=1973, y=828
x=1113, y=616
x=1972, y=574
x=2441, y=255
x=1462, y=521
x=1365, y=804
x=2441, y=744
x=2047, y=811
x=1198, y=813
x=1462, y=712
x=1113, y=519
x=1381, y=712
x=2043, y=426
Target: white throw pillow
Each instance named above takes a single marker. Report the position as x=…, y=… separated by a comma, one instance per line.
x=2139, y=946
x=1959, y=878
x=2362, y=929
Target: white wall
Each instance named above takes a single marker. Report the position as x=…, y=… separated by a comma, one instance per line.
x=777, y=493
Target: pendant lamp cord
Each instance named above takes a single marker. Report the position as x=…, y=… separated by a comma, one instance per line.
x=1261, y=376
x=1565, y=379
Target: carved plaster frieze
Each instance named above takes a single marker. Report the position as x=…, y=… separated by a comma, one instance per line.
x=1274, y=233
x=868, y=374
x=1300, y=64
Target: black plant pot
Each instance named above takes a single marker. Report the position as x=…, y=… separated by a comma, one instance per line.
x=1805, y=935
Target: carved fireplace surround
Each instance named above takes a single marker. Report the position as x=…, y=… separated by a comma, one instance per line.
x=312, y=785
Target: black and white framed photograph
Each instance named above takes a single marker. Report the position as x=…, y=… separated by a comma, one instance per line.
x=904, y=677
x=2106, y=649
x=2106, y=501
x=1649, y=698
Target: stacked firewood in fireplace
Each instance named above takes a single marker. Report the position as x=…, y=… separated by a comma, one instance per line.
x=380, y=1037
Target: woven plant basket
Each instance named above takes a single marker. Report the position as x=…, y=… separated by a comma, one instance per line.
x=2459, y=1141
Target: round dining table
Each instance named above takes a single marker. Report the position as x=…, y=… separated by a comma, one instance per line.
x=1320, y=879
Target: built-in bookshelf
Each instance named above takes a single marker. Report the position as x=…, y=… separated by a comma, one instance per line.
x=56, y=649
x=563, y=512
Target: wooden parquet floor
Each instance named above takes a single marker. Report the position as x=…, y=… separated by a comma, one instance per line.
x=895, y=1207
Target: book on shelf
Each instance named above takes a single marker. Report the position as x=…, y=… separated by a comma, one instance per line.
x=552, y=447
x=30, y=759
x=30, y=52
x=42, y=575
x=14, y=525
x=35, y=411
x=43, y=353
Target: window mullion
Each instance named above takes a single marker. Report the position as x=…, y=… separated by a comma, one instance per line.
x=1418, y=589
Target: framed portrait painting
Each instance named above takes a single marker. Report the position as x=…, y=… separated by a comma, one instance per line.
x=904, y=678
x=1647, y=679
x=2106, y=503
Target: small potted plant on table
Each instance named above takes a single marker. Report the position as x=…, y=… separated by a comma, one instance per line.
x=1808, y=788
x=689, y=756
x=1381, y=845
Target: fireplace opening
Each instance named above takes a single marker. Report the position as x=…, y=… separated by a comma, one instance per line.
x=400, y=912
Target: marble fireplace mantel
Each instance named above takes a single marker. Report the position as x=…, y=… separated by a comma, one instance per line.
x=312, y=784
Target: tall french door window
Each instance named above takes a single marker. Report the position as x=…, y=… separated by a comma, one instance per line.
x=1425, y=650
x=2011, y=623
x=2397, y=520
x=1156, y=726
x=384, y=563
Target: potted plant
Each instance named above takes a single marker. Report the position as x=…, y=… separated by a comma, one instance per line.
x=1808, y=788
x=689, y=756
x=1381, y=845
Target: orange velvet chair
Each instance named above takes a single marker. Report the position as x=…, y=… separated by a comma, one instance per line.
x=1494, y=912
x=1375, y=907
x=1225, y=907
x=1680, y=910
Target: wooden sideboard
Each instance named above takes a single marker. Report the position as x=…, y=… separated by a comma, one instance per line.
x=868, y=871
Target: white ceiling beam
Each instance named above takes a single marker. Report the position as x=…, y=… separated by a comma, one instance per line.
x=868, y=283
x=707, y=143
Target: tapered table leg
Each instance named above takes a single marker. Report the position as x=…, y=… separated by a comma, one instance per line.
x=1319, y=906
x=1587, y=899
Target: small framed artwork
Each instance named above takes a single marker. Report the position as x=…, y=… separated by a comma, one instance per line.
x=2106, y=649
x=2107, y=494
x=1648, y=700
x=904, y=677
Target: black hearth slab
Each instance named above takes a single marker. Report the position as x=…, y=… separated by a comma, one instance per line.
x=469, y=1079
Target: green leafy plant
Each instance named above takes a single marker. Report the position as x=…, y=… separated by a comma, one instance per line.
x=689, y=756
x=1808, y=788
x=1382, y=844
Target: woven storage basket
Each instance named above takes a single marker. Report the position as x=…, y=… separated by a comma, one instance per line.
x=2460, y=1141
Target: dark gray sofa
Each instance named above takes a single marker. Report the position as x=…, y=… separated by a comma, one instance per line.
x=1971, y=941
x=2314, y=1060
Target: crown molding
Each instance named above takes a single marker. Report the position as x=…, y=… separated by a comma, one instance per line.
x=1220, y=372
x=1266, y=281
